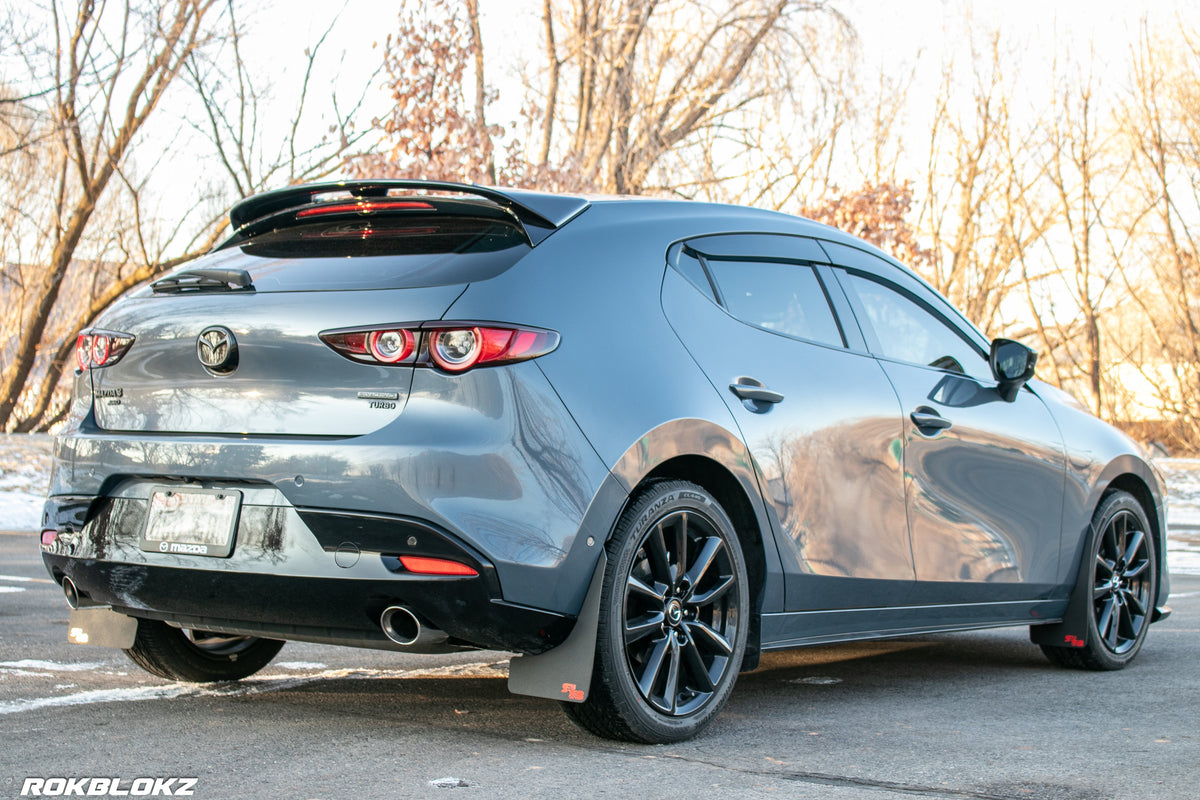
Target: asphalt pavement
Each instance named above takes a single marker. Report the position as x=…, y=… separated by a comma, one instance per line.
x=973, y=715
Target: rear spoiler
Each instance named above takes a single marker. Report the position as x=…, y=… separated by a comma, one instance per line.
x=539, y=213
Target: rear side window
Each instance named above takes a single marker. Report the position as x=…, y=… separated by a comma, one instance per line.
x=383, y=252
x=780, y=297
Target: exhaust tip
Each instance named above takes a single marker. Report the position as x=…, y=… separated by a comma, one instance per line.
x=400, y=625
x=71, y=592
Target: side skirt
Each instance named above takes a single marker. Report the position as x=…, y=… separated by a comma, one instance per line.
x=801, y=628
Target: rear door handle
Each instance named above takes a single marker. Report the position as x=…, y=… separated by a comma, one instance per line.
x=751, y=389
x=929, y=421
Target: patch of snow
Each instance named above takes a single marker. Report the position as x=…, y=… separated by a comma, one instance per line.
x=299, y=665
x=449, y=783
x=24, y=477
x=23, y=579
x=11, y=589
x=52, y=666
x=259, y=685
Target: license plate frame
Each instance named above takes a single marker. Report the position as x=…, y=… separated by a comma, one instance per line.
x=191, y=521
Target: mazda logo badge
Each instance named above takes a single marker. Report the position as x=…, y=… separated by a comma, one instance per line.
x=217, y=350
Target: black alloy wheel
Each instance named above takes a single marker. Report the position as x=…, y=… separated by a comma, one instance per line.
x=1123, y=568
x=680, y=617
x=674, y=619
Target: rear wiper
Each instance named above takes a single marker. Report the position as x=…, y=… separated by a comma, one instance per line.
x=204, y=280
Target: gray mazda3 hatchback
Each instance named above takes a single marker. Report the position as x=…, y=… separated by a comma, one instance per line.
x=635, y=442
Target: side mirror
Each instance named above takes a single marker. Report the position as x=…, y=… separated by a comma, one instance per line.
x=1012, y=365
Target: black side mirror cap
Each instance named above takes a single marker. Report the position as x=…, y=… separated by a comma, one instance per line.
x=1012, y=365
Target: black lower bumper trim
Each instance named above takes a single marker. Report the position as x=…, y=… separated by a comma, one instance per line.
x=335, y=610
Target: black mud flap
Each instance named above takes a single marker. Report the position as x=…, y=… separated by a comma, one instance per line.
x=564, y=672
x=101, y=626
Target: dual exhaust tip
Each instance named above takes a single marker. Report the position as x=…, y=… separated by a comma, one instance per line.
x=401, y=625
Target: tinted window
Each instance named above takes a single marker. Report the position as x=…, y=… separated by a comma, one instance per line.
x=905, y=329
x=785, y=298
x=396, y=252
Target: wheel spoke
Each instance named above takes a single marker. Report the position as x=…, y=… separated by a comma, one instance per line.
x=681, y=536
x=712, y=546
x=1104, y=621
x=702, y=633
x=1104, y=564
x=1101, y=590
x=695, y=666
x=1114, y=623
x=1136, y=568
x=637, y=587
x=1136, y=539
x=656, y=551
x=1134, y=604
x=713, y=594
x=671, y=690
x=643, y=626
x=653, y=666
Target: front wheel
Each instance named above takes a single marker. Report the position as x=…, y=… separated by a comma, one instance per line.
x=1123, y=566
x=674, y=617
x=198, y=656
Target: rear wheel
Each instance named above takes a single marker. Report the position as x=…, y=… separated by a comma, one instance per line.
x=1122, y=562
x=674, y=617
x=198, y=656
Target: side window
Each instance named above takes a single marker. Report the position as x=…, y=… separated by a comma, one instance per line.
x=785, y=298
x=903, y=328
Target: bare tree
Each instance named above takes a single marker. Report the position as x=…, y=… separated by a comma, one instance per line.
x=81, y=194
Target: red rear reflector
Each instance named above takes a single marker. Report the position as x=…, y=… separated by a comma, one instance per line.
x=435, y=566
x=364, y=207
x=49, y=537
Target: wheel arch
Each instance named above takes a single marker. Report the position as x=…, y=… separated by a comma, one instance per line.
x=1153, y=506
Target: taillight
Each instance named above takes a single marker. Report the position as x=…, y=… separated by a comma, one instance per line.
x=453, y=347
x=101, y=348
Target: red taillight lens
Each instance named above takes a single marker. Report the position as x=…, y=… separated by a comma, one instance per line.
x=436, y=566
x=83, y=351
x=454, y=348
x=460, y=348
x=101, y=348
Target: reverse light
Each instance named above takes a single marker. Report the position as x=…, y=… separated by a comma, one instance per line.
x=422, y=565
x=391, y=347
x=453, y=347
x=101, y=348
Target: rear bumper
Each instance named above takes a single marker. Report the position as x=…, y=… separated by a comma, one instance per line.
x=490, y=458
x=297, y=574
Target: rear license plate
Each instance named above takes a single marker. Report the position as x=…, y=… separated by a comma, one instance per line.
x=193, y=522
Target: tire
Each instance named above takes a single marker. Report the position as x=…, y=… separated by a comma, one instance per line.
x=671, y=639
x=198, y=656
x=1122, y=563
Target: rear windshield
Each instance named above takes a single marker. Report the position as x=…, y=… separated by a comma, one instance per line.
x=397, y=252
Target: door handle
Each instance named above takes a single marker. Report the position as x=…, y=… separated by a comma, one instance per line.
x=751, y=389
x=929, y=421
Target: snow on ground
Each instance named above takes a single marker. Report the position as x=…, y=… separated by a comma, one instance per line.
x=25, y=475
